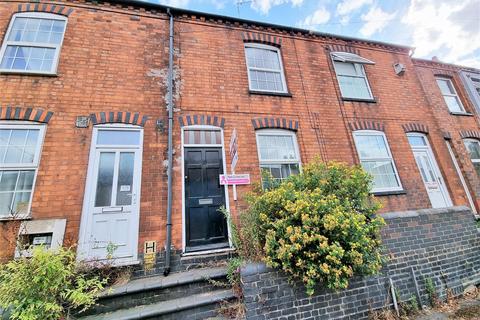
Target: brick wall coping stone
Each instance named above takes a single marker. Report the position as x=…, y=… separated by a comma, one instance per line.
x=417, y=213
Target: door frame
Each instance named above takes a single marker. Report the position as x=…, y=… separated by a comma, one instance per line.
x=89, y=192
x=428, y=149
x=227, y=199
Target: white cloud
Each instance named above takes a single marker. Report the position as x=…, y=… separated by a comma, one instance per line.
x=451, y=28
x=264, y=6
x=347, y=6
x=175, y=3
x=375, y=20
x=318, y=17
x=218, y=4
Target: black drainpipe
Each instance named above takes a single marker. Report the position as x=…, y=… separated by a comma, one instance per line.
x=166, y=271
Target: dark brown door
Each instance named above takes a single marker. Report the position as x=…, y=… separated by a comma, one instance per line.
x=206, y=226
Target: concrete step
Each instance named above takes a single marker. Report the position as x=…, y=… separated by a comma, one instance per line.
x=167, y=309
x=151, y=290
x=160, y=282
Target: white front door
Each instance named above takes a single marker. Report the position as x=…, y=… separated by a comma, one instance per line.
x=431, y=176
x=111, y=210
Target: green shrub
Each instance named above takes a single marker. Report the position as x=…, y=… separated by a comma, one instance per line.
x=431, y=292
x=319, y=226
x=46, y=286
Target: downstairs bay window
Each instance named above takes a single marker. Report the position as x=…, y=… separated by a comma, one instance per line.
x=278, y=153
x=376, y=159
x=20, y=147
x=473, y=148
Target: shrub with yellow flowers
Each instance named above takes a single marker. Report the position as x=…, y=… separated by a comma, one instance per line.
x=320, y=226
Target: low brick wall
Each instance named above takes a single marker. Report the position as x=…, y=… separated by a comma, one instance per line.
x=441, y=244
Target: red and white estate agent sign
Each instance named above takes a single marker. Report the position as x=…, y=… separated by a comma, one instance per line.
x=234, y=179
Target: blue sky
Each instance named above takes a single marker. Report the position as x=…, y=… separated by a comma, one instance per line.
x=448, y=29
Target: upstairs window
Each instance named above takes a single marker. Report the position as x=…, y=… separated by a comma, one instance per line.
x=351, y=75
x=32, y=43
x=476, y=84
x=20, y=147
x=473, y=148
x=278, y=153
x=376, y=159
x=265, y=69
x=450, y=95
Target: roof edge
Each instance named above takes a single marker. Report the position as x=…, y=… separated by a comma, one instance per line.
x=180, y=11
x=452, y=65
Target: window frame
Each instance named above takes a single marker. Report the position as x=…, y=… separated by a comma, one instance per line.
x=471, y=140
x=21, y=125
x=391, y=159
x=282, y=69
x=57, y=47
x=455, y=95
x=278, y=132
x=365, y=77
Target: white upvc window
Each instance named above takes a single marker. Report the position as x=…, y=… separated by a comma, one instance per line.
x=20, y=148
x=32, y=43
x=450, y=95
x=476, y=84
x=473, y=148
x=265, y=69
x=376, y=159
x=351, y=75
x=278, y=152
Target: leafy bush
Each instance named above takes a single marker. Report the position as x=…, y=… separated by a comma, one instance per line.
x=319, y=226
x=46, y=286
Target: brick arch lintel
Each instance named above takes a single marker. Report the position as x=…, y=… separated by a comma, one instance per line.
x=25, y=114
x=118, y=117
x=342, y=48
x=415, y=127
x=203, y=120
x=45, y=7
x=275, y=123
x=470, y=134
x=366, y=125
x=262, y=38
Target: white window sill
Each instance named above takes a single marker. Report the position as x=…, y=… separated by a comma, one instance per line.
x=271, y=93
x=367, y=100
x=389, y=192
x=455, y=113
x=19, y=218
x=28, y=73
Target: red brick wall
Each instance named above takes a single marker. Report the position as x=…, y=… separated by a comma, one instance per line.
x=105, y=65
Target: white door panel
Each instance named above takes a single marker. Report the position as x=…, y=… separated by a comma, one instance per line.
x=111, y=212
x=429, y=171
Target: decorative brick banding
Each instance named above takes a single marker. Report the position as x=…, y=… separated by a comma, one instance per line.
x=470, y=134
x=119, y=117
x=415, y=127
x=366, y=125
x=262, y=38
x=275, y=123
x=45, y=7
x=342, y=48
x=205, y=120
x=25, y=114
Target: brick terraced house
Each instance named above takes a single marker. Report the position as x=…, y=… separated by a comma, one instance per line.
x=84, y=131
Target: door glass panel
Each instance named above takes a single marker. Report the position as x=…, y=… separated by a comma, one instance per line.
x=118, y=137
x=103, y=197
x=125, y=179
x=202, y=137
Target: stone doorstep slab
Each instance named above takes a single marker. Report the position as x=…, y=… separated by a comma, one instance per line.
x=159, y=282
x=166, y=307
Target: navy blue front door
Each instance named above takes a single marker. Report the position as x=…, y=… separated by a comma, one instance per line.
x=206, y=227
